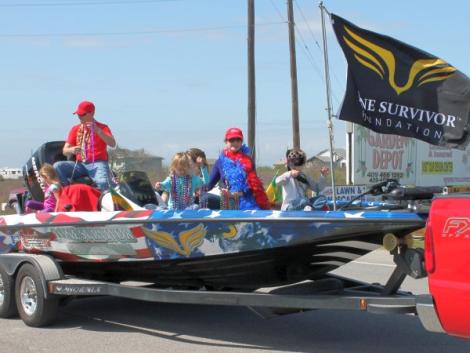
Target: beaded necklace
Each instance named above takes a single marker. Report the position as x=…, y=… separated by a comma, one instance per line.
x=224, y=199
x=180, y=192
x=228, y=201
x=203, y=196
x=92, y=142
x=86, y=138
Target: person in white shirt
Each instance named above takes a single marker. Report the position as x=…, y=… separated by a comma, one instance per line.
x=295, y=183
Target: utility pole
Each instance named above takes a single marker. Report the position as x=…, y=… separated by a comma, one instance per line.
x=251, y=79
x=293, y=76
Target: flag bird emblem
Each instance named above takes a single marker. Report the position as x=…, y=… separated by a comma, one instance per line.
x=383, y=63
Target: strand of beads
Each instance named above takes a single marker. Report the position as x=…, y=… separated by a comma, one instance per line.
x=92, y=142
x=228, y=200
x=235, y=202
x=181, y=192
x=203, y=196
x=224, y=199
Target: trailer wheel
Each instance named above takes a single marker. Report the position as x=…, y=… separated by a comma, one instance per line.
x=34, y=309
x=7, y=295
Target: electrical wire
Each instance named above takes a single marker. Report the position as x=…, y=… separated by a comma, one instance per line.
x=84, y=3
x=129, y=33
x=338, y=81
x=306, y=50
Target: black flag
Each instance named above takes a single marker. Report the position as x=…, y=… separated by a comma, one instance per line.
x=394, y=88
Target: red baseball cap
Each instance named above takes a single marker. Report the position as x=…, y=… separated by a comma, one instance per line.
x=84, y=108
x=233, y=133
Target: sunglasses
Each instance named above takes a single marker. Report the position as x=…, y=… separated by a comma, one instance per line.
x=236, y=139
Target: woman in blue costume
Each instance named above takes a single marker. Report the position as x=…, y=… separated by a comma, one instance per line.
x=236, y=170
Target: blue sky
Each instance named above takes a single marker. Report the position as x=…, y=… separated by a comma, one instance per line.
x=169, y=75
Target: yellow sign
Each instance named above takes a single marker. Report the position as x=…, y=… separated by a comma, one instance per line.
x=458, y=188
x=437, y=167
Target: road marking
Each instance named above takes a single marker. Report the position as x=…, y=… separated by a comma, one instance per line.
x=373, y=263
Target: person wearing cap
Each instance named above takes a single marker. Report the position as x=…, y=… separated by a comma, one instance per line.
x=88, y=141
x=295, y=183
x=241, y=186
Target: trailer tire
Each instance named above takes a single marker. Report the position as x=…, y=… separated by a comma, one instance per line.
x=34, y=308
x=7, y=295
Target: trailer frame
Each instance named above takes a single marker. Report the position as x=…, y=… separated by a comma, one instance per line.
x=333, y=293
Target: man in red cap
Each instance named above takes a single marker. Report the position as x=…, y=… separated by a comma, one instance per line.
x=88, y=141
x=236, y=170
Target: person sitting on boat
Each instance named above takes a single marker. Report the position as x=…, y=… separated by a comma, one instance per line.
x=199, y=160
x=241, y=187
x=49, y=177
x=295, y=183
x=88, y=141
x=204, y=199
x=181, y=184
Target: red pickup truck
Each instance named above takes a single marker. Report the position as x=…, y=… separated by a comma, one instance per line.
x=447, y=261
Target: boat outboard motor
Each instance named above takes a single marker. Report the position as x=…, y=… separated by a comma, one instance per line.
x=49, y=152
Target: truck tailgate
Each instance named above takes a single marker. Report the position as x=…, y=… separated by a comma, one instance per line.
x=448, y=262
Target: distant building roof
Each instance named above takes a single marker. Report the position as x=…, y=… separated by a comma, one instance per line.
x=324, y=155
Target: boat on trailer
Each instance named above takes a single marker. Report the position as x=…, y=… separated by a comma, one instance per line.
x=205, y=256
x=222, y=249
x=218, y=249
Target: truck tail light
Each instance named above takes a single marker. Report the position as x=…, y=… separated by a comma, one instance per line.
x=429, y=257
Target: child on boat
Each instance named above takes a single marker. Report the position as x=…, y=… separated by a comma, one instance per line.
x=295, y=183
x=181, y=184
x=242, y=189
x=49, y=176
x=199, y=160
x=201, y=168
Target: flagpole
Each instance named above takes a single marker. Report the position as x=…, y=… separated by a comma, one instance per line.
x=328, y=101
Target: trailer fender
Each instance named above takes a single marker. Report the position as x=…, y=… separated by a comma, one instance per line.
x=48, y=268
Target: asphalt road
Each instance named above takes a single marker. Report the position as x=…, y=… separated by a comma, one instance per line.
x=100, y=325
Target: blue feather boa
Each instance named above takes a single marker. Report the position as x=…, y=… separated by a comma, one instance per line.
x=235, y=176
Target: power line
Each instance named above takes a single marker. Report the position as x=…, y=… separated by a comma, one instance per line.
x=157, y=31
x=307, y=24
x=306, y=50
x=278, y=11
x=339, y=81
x=84, y=3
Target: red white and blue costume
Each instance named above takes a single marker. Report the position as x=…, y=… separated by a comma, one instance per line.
x=237, y=173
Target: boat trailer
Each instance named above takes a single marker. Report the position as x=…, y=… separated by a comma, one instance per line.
x=33, y=286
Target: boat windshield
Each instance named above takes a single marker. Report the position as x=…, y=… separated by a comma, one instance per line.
x=136, y=187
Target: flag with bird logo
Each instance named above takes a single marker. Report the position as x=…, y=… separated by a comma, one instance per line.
x=395, y=88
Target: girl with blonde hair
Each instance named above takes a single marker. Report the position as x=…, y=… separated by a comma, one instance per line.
x=49, y=176
x=181, y=184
